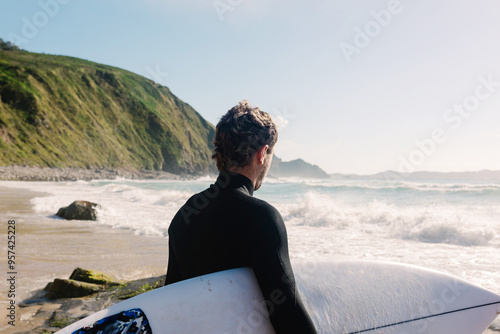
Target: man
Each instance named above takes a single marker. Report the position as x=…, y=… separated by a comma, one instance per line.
x=225, y=227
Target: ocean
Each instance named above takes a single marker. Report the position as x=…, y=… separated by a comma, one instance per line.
x=449, y=226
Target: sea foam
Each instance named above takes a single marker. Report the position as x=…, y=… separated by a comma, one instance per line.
x=438, y=223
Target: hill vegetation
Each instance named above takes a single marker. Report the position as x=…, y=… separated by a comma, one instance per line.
x=58, y=111
x=8, y=46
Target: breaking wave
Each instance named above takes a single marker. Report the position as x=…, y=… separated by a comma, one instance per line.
x=438, y=223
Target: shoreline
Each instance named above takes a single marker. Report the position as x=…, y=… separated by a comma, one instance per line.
x=114, y=251
x=28, y=173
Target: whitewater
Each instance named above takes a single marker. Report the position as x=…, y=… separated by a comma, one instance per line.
x=449, y=226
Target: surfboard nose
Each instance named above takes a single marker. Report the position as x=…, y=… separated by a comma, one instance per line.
x=382, y=297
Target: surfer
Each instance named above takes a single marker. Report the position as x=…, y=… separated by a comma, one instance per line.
x=225, y=227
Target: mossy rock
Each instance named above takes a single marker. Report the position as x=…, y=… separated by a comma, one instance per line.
x=94, y=277
x=58, y=321
x=67, y=288
x=136, y=288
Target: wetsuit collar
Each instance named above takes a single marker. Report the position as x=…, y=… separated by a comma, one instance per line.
x=231, y=180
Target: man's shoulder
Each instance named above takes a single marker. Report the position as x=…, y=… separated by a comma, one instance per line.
x=262, y=204
x=225, y=203
x=264, y=210
x=193, y=206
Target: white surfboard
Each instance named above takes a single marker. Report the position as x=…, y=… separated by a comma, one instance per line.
x=342, y=297
x=378, y=297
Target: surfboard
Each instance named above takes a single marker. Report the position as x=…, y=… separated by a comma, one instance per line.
x=378, y=297
x=342, y=297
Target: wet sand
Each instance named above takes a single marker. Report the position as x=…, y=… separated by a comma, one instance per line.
x=48, y=248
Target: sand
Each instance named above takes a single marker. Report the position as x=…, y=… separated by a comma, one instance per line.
x=48, y=249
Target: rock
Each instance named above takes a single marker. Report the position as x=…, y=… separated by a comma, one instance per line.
x=91, y=276
x=79, y=210
x=67, y=288
x=59, y=320
x=82, y=282
x=42, y=315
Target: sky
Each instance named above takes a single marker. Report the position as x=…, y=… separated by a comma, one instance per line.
x=354, y=86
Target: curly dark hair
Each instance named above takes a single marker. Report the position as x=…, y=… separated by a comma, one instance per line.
x=240, y=133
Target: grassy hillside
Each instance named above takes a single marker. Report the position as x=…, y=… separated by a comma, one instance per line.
x=60, y=111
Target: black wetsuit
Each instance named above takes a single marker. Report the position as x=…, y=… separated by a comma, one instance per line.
x=225, y=227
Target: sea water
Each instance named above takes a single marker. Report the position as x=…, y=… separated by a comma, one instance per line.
x=450, y=226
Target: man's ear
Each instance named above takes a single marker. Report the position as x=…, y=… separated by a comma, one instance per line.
x=261, y=154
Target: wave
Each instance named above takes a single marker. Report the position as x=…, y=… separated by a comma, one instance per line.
x=442, y=187
x=123, y=205
x=443, y=233
x=148, y=207
x=444, y=223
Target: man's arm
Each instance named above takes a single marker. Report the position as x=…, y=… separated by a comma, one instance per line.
x=273, y=270
x=173, y=273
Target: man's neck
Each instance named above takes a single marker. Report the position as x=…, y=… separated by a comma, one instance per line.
x=247, y=171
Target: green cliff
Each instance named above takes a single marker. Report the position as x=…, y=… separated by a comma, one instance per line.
x=58, y=111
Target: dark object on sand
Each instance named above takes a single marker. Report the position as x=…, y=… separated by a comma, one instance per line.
x=67, y=288
x=91, y=276
x=82, y=282
x=79, y=210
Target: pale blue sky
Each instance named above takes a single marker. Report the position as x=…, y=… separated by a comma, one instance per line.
x=357, y=86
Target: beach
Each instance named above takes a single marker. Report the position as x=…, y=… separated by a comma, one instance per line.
x=369, y=220
x=27, y=173
x=52, y=248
